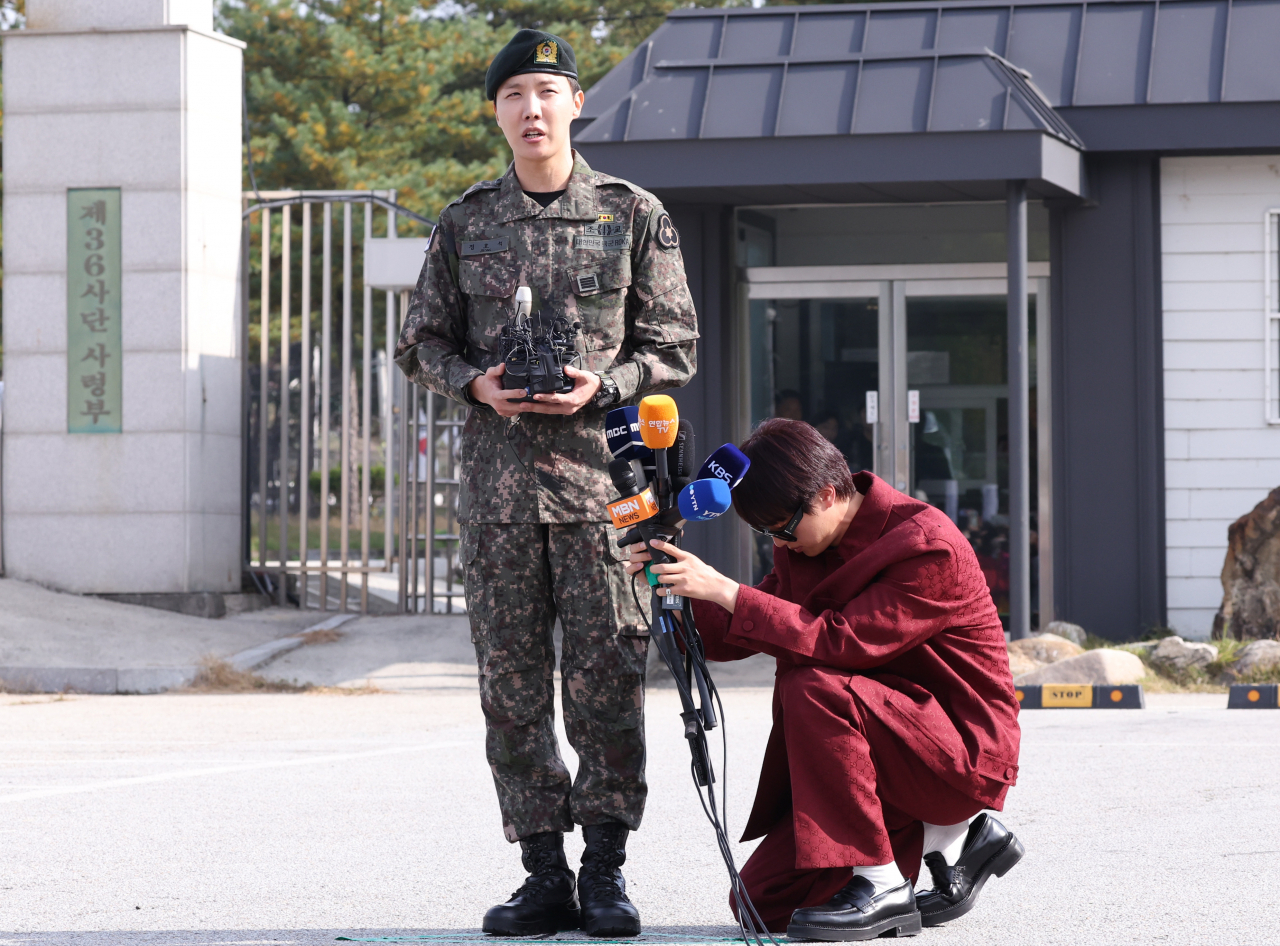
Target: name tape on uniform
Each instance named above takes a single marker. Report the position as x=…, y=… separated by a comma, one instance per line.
x=603, y=236
x=1080, y=696
x=1254, y=696
x=627, y=512
x=480, y=247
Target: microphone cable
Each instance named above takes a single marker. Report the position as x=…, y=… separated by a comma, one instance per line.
x=750, y=923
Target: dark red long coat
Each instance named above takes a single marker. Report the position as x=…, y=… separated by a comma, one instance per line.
x=901, y=602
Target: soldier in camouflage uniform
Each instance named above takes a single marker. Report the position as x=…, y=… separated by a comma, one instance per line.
x=536, y=543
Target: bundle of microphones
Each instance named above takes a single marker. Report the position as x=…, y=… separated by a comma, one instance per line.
x=653, y=471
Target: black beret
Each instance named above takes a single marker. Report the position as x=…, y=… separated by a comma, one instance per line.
x=530, y=51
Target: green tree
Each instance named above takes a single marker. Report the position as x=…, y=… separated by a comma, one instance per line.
x=363, y=94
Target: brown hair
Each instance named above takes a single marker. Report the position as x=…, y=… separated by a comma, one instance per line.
x=790, y=464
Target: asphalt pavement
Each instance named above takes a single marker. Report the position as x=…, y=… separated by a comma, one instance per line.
x=302, y=818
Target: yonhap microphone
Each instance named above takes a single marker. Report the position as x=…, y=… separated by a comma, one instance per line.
x=728, y=463
x=659, y=426
x=659, y=421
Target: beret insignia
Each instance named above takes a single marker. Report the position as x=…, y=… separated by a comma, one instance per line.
x=548, y=52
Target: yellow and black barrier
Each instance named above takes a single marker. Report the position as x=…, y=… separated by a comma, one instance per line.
x=1079, y=696
x=1254, y=696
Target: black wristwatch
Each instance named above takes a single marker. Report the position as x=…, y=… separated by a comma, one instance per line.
x=607, y=396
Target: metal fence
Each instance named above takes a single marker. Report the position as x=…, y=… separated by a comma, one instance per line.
x=350, y=470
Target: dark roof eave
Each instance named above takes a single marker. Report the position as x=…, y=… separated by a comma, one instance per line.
x=968, y=165
x=1194, y=127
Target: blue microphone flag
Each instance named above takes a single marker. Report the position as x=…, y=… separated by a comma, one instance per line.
x=617, y=431
x=704, y=499
x=728, y=464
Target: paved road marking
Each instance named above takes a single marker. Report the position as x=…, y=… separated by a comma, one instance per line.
x=221, y=770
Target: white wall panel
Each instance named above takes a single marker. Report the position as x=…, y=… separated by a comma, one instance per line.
x=1221, y=456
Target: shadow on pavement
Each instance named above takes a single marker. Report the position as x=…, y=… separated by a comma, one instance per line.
x=656, y=936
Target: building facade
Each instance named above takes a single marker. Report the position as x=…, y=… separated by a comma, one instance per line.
x=843, y=179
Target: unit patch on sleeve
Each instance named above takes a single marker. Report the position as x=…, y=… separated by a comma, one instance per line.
x=480, y=247
x=603, y=236
x=668, y=238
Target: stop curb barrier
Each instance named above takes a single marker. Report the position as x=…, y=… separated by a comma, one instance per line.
x=1080, y=696
x=1254, y=696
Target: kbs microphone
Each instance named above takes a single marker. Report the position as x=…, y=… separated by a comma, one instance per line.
x=659, y=425
x=728, y=464
x=681, y=460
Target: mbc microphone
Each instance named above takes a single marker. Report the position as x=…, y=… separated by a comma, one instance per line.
x=622, y=431
x=617, y=431
x=728, y=463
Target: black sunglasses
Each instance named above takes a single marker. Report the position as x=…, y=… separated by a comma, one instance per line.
x=788, y=532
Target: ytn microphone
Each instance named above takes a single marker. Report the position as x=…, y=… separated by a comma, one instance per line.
x=728, y=463
x=703, y=500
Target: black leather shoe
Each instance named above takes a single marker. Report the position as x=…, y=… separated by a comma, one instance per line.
x=547, y=901
x=606, y=911
x=989, y=848
x=857, y=912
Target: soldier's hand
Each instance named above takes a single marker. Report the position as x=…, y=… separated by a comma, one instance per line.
x=488, y=389
x=585, y=386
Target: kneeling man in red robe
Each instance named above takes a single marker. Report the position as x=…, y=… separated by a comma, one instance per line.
x=895, y=721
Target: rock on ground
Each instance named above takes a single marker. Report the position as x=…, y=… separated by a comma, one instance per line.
x=1255, y=657
x=1020, y=663
x=1174, y=655
x=1102, y=667
x=1072, y=632
x=1251, y=575
x=1046, y=648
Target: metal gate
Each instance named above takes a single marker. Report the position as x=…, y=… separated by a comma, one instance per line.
x=349, y=469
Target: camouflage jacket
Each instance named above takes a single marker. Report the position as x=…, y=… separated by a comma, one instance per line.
x=604, y=254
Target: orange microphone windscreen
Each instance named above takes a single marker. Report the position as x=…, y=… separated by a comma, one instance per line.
x=659, y=421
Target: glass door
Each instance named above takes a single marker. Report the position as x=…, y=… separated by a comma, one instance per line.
x=957, y=363
x=816, y=360
x=926, y=350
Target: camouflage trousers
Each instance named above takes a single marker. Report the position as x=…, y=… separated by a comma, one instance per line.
x=519, y=578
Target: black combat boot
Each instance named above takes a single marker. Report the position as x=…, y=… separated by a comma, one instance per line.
x=546, y=902
x=606, y=911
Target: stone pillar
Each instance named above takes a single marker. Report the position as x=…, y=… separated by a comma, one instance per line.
x=139, y=95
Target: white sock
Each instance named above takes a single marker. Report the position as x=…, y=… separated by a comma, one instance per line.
x=946, y=839
x=884, y=876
